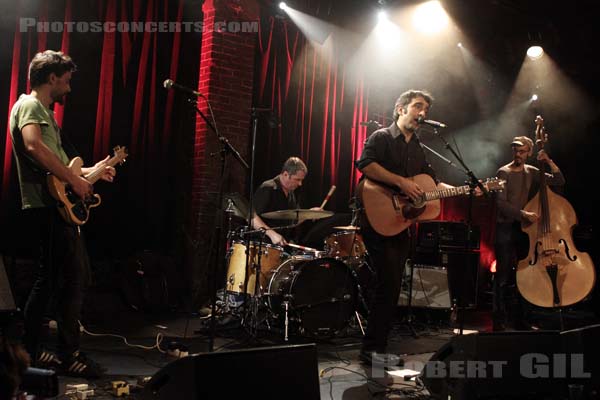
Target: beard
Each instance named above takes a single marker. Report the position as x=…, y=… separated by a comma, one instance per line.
x=518, y=161
x=58, y=98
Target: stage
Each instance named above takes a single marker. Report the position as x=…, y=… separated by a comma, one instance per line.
x=341, y=375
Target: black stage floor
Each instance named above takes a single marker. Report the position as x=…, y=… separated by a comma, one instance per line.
x=341, y=374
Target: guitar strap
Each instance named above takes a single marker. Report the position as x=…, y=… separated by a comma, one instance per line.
x=67, y=145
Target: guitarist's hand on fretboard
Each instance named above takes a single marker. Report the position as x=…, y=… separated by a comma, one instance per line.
x=106, y=171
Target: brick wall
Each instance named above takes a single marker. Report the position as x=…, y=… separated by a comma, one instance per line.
x=226, y=77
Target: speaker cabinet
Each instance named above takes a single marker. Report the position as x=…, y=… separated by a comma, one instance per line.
x=436, y=235
x=516, y=365
x=462, y=270
x=279, y=372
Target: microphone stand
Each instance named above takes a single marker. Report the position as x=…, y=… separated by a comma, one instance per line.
x=226, y=149
x=410, y=263
x=473, y=182
x=257, y=295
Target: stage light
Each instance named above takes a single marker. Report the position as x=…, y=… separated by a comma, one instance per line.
x=381, y=15
x=282, y=5
x=430, y=17
x=534, y=97
x=460, y=44
x=535, y=52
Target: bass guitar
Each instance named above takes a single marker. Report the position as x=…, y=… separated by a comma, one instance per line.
x=390, y=212
x=72, y=208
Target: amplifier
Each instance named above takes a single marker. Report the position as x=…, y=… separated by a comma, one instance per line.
x=429, y=287
x=447, y=234
x=462, y=270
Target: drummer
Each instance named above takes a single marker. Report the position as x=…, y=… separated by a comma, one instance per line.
x=279, y=194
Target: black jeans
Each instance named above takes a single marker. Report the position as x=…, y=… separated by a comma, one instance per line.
x=62, y=276
x=387, y=256
x=509, y=244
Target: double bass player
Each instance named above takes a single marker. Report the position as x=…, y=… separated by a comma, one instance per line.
x=522, y=183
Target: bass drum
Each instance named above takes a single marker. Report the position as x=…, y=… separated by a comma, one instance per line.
x=321, y=295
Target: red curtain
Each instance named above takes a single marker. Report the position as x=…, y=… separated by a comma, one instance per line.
x=319, y=108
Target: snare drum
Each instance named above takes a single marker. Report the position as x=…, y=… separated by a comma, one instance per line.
x=321, y=295
x=271, y=257
x=345, y=245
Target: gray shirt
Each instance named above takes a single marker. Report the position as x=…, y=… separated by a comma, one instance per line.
x=520, y=187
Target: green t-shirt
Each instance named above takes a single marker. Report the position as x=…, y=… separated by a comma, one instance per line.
x=32, y=176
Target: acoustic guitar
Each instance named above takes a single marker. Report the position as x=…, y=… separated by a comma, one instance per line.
x=390, y=212
x=73, y=208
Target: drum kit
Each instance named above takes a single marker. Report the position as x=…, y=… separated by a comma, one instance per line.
x=304, y=291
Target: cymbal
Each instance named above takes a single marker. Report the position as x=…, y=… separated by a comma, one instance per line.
x=299, y=214
x=236, y=204
x=347, y=228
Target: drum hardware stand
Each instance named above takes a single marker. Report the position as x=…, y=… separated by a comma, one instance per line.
x=230, y=211
x=356, y=209
x=361, y=298
x=286, y=307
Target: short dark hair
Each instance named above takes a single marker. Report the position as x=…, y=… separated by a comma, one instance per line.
x=292, y=165
x=46, y=63
x=406, y=97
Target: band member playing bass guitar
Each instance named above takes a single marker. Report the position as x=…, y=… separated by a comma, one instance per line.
x=64, y=264
x=522, y=183
x=392, y=156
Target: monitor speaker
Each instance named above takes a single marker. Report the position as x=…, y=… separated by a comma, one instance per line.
x=516, y=365
x=279, y=372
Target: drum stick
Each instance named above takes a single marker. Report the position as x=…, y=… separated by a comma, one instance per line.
x=328, y=196
x=296, y=246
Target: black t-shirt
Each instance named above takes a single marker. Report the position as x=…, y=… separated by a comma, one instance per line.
x=271, y=197
x=388, y=148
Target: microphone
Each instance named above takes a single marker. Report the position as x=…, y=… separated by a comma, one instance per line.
x=169, y=84
x=429, y=122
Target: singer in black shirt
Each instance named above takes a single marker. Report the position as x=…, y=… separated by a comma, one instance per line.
x=390, y=156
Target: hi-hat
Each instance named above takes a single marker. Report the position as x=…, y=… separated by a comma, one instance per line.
x=347, y=228
x=236, y=205
x=299, y=214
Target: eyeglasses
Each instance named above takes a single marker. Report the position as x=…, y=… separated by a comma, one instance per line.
x=520, y=151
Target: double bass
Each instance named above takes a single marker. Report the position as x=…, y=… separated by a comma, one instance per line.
x=554, y=273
